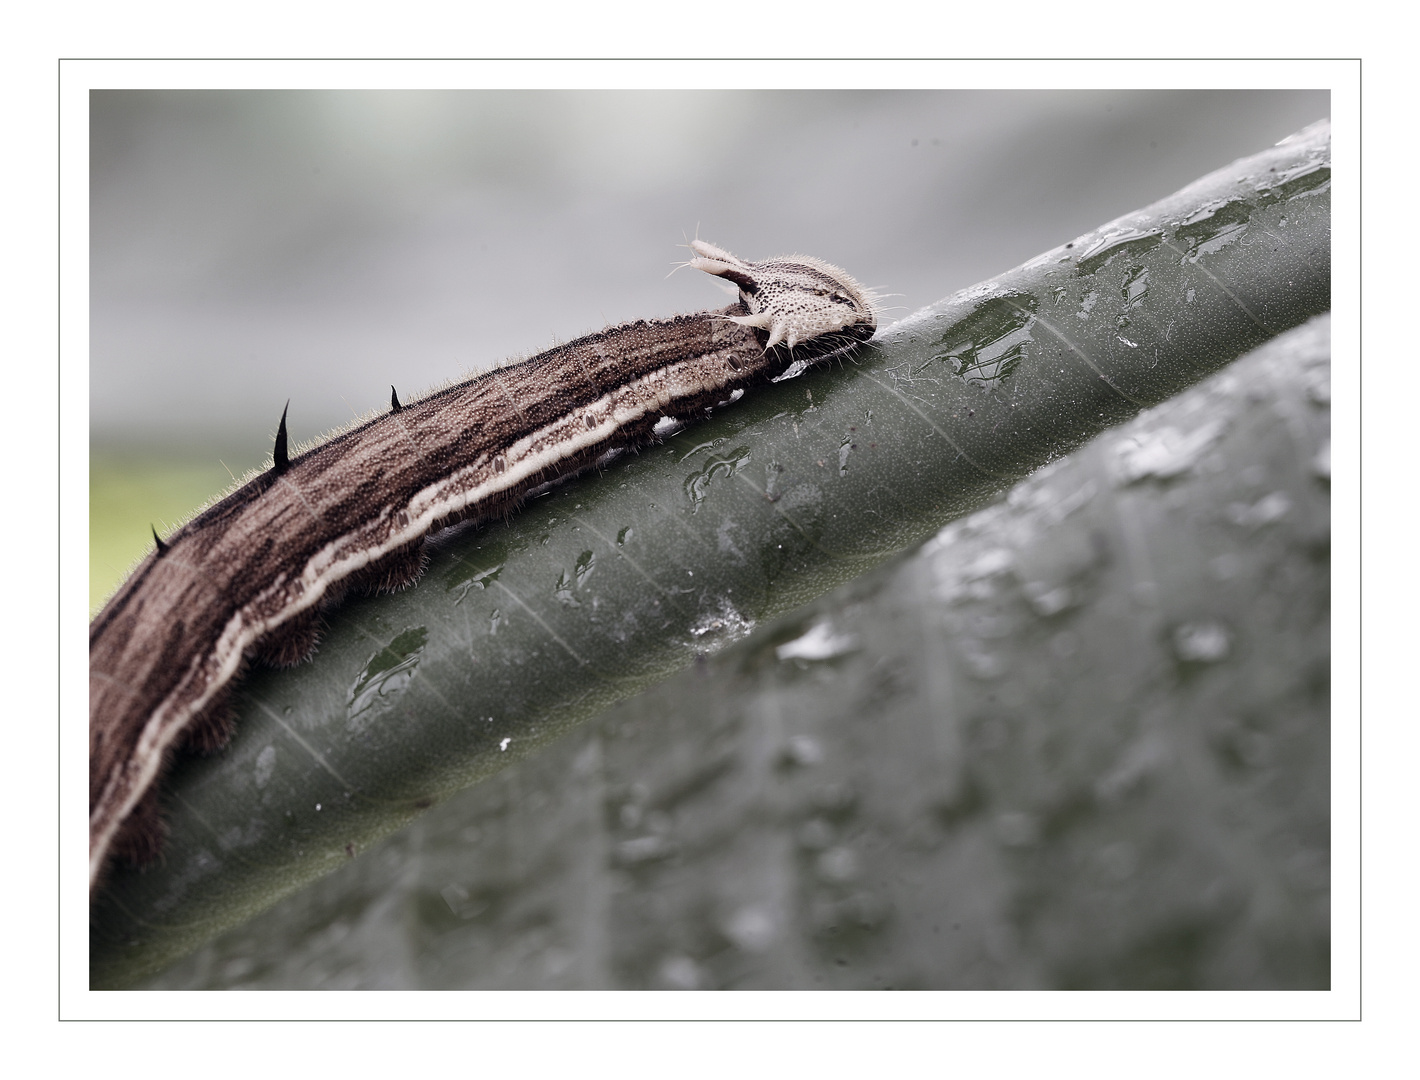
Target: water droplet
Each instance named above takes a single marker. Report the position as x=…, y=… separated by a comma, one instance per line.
x=586, y=563
x=680, y=973
x=644, y=849
x=991, y=360
x=844, y=449
x=751, y=929
x=563, y=591
x=717, y=466
x=1135, y=288
x=1165, y=453
x=1321, y=464
x=1215, y=241
x=1268, y=509
x=986, y=345
x=1145, y=758
x=803, y=751
x=980, y=662
x=1048, y=600
x=820, y=642
x=466, y=579
x=265, y=765
x=773, y=472
x=838, y=865
x=994, y=561
x=1115, y=240
x=1203, y=642
x=462, y=903
x=722, y=628
x=385, y=677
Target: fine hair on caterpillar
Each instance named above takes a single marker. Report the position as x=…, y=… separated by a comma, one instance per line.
x=249, y=577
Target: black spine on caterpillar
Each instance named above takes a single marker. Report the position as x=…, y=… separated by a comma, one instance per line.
x=253, y=573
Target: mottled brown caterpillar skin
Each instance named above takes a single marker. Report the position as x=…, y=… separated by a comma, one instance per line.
x=249, y=576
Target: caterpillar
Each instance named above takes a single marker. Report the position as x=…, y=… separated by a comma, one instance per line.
x=248, y=577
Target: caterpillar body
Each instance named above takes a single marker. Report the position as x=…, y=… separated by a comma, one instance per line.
x=248, y=577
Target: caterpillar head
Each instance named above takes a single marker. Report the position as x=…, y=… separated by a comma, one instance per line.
x=794, y=297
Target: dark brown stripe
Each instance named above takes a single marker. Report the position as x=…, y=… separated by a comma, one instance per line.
x=252, y=562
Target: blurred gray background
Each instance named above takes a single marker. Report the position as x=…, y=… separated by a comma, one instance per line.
x=254, y=246
x=1081, y=739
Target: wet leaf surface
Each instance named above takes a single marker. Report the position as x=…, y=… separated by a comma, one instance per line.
x=521, y=632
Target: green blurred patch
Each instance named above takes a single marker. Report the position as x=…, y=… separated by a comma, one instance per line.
x=131, y=490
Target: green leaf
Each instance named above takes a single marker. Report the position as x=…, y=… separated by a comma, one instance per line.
x=1080, y=738
x=520, y=631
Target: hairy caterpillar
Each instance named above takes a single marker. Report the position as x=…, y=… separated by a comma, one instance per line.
x=249, y=576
